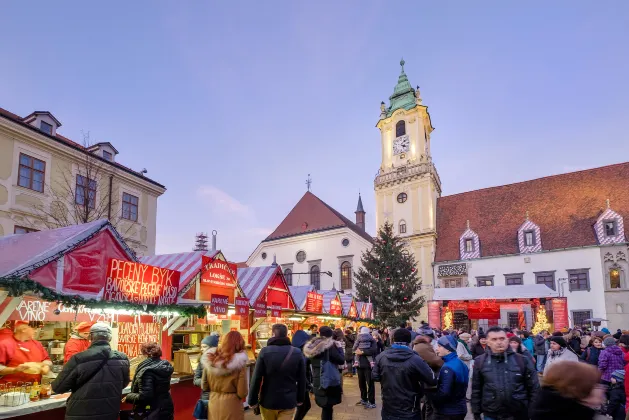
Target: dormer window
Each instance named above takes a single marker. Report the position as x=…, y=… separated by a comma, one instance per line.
x=529, y=238
x=104, y=149
x=45, y=127
x=107, y=155
x=610, y=228
x=469, y=245
x=400, y=128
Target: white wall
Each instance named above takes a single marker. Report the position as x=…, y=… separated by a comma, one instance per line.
x=560, y=261
x=324, y=246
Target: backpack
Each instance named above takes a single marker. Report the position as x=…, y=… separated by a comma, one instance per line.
x=330, y=375
x=519, y=359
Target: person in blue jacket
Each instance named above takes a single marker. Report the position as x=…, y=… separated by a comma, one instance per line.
x=449, y=398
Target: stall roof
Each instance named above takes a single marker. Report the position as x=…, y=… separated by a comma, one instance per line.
x=187, y=263
x=20, y=254
x=253, y=280
x=525, y=291
x=368, y=309
x=328, y=296
x=346, y=303
x=300, y=294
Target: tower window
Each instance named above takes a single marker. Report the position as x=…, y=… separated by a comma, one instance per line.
x=402, y=227
x=529, y=238
x=401, y=197
x=345, y=242
x=469, y=245
x=264, y=255
x=614, y=278
x=400, y=128
x=610, y=228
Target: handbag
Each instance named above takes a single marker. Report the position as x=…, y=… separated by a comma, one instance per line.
x=329, y=373
x=200, y=410
x=256, y=410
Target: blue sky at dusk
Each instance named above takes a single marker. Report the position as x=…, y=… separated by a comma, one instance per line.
x=232, y=104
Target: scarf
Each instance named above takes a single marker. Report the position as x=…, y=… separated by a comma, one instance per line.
x=461, y=372
x=464, y=345
x=557, y=353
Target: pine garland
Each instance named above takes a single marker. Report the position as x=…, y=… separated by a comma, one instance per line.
x=19, y=286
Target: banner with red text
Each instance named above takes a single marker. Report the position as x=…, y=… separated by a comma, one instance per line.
x=434, y=314
x=129, y=281
x=242, y=306
x=217, y=277
x=276, y=310
x=560, y=313
x=132, y=335
x=259, y=309
x=335, y=306
x=314, y=302
x=218, y=304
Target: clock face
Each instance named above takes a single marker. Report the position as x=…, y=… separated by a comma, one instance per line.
x=401, y=145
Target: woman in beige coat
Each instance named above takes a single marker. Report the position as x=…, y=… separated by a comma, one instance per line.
x=224, y=376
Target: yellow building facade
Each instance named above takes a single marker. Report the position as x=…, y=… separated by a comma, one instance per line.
x=407, y=185
x=48, y=181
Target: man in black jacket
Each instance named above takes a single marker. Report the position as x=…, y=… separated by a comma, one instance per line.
x=350, y=339
x=402, y=375
x=279, y=378
x=504, y=383
x=541, y=349
x=96, y=378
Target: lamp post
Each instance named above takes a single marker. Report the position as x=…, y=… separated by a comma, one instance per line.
x=562, y=282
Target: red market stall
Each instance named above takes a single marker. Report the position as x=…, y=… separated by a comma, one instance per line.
x=57, y=278
x=348, y=304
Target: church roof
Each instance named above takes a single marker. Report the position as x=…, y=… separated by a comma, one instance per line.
x=403, y=94
x=360, y=208
x=311, y=215
x=565, y=207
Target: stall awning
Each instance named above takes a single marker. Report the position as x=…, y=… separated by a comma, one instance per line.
x=189, y=264
x=300, y=294
x=331, y=302
x=349, y=306
x=525, y=291
x=255, y=281
x=364, y=310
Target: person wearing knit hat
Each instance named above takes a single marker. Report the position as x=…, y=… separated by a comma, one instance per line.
x=617, y=396
x=365, y=350
x=209, y=342
x=610, y=360
x=403, y=376
x=449, y=399
x=79, y=340
x=559, y=351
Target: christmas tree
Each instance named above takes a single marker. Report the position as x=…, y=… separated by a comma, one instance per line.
x=388, y=279
x=542, y=321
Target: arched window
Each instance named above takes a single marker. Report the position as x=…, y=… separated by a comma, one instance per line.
x=400, y=128
x=288, y=275
x=402, y=227
x=346, y=276
x=315, y=277
x=614, y=278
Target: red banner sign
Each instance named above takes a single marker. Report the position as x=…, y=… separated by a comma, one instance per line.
x=242, y=306
x=218, y=304
x=352, y=313
x=218, y=273
x=259, y=309
x=434, y=314
x=335, y=306
x=314, y=302
x=129, y=281
x=132, y=335
x=560, y=313
x=276, y=310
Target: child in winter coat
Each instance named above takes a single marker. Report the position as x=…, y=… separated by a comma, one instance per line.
x=616, y=407
x=363, y=342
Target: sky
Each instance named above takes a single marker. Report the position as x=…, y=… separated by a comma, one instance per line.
x=232, y=104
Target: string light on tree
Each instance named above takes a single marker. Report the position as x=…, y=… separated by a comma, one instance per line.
x=447, y=319
x=541, y=324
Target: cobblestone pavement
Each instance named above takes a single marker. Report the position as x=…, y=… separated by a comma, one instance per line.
x=347, y=410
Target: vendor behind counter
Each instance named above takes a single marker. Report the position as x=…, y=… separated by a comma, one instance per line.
x=22, y=359
x=79, y=341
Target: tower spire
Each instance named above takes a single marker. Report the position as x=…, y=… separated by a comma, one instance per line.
x=360, y=213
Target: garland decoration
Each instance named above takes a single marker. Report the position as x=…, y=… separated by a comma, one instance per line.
x=19, y=286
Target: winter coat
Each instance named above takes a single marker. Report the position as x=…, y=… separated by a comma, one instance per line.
x=611, y=359
x=449, y=397
x=98, y=399
x=575, y=344
x=566, y=355
x=549, y=405
x=401, y=373
x=530, y=346
x=463, y=354
x=591, y=355
x=277, y=387
x=617, y=400
x=151, y=388
x=502, y=386
x=627, y=386
x=318, y=350
x=198, y=376
x=540, y=345
x=372, y=351
x=350, y=339
x=428, y=355
x=478, y=350
x=228, y=385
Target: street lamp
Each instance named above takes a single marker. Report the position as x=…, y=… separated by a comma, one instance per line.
x=562, y=281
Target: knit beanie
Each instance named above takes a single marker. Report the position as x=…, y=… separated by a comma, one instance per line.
x=325, y=332
x=448, y=342
x=364, y=330
x=465, y=336
x=619, y=375
x=402, y=335
x=609, y=341
x=559, y=340
x=426, y=330
x=211, y=340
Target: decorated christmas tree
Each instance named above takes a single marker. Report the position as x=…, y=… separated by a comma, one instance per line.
x=388, y=279
x=541, y=324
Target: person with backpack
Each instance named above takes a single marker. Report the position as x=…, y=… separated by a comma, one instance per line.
x=504, y=383
x=278, y=383
x=403, y=375
x=325, y=357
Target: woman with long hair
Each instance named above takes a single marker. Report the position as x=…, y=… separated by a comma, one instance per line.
x=593, y=351
x=224, y=374
x=151, y=385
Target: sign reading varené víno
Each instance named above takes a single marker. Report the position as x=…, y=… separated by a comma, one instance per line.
x=129, y=281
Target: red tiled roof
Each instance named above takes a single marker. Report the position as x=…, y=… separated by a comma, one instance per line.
x=310, y=215
x=63, y=139
x=564, y=206
x=242, y=264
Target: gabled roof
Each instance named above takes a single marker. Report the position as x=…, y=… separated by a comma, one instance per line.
x=189, y=264
x=565, y=207
x=33, y=115
x=311, y=215
x=95, y=146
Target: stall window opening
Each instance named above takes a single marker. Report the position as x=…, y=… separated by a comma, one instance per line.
x=315, y=277
x=130, y=207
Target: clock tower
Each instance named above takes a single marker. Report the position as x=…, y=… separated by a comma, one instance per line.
x=407, y=184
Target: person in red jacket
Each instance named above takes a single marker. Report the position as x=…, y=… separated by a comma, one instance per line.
x=78, y=342
x=22, y=358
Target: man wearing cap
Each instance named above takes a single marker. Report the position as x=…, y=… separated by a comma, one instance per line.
x=22, y=359
x=402, y=375
x=78, y=342
x=96, y=378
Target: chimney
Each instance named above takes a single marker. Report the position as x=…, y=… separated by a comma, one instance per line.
x=360, y=213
